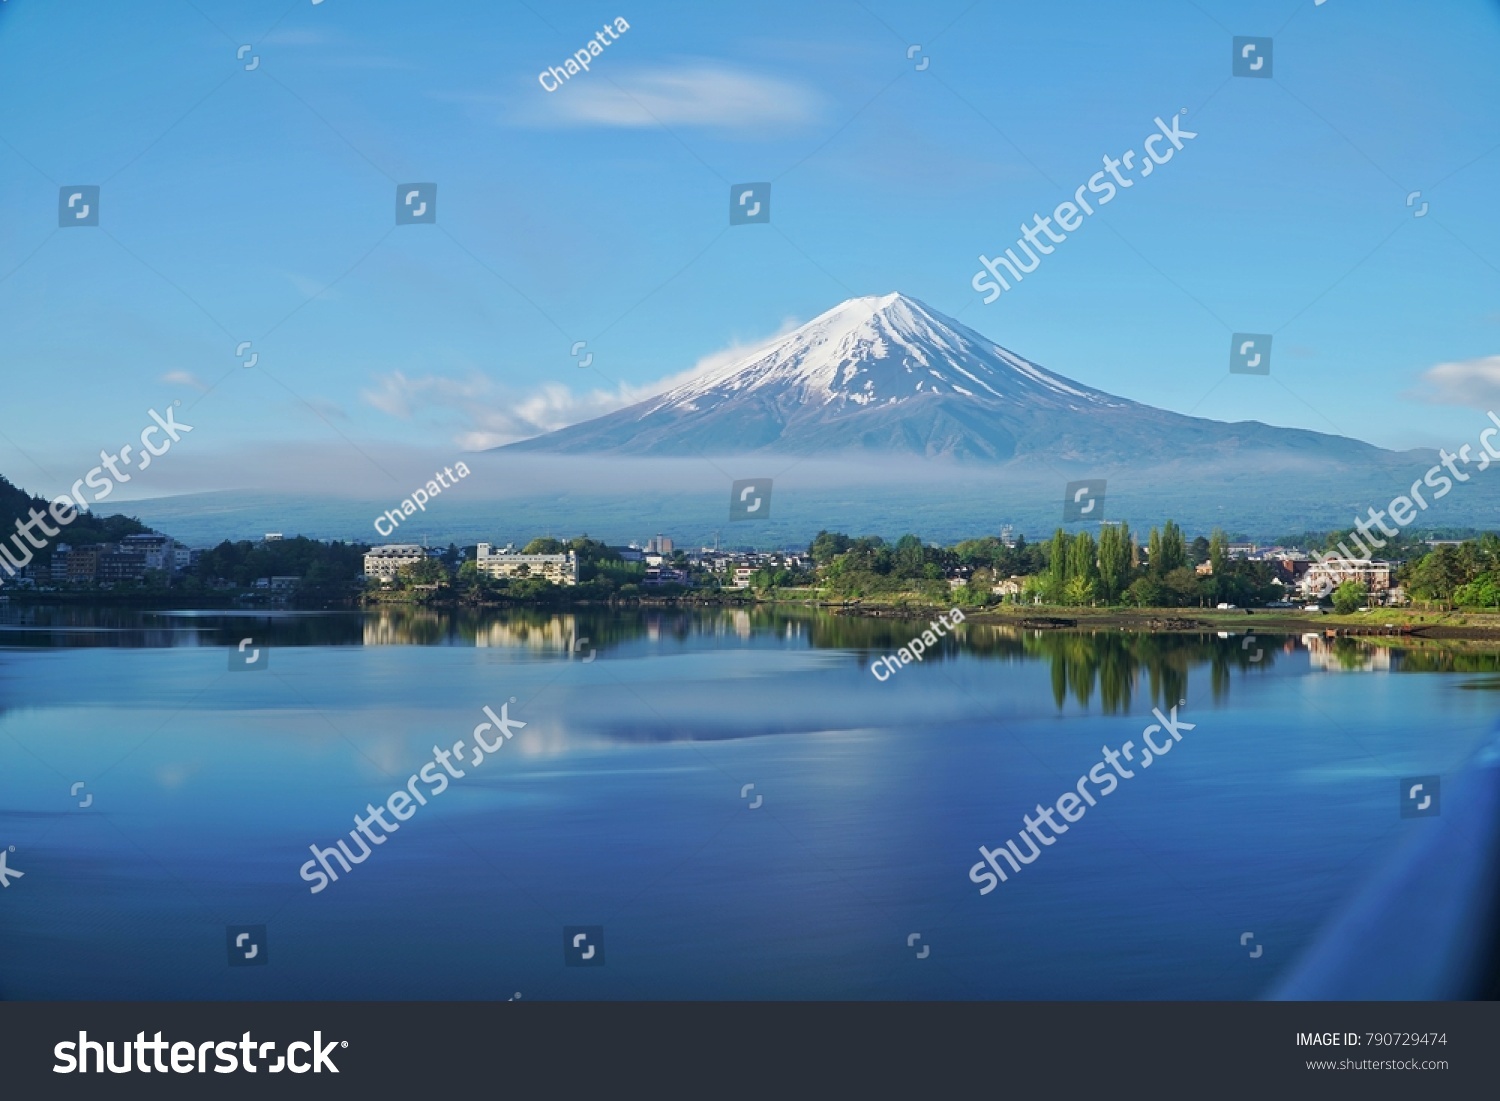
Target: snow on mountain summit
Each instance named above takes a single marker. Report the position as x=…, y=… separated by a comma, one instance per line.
x=881, y=349
x=885, y=375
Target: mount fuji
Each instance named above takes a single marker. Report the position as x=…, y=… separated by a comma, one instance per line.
x=980, y=437
x=888, y=374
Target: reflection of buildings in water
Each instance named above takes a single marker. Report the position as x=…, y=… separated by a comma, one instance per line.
x=555, y=634
x=386, y=629
x=381, y=630
x=406, y=629
x=1325, y=653
x=735, y=620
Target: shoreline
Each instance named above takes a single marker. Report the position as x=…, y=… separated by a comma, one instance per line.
x=1387, y=623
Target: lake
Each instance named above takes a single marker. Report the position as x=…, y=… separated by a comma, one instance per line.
x=727, y=803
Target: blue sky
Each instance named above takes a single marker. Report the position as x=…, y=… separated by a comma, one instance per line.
x=258, y=205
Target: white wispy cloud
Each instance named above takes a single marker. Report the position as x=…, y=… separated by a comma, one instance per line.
x=184, y=378
x=485, y=414
x=690, y=94
x=1471, y=382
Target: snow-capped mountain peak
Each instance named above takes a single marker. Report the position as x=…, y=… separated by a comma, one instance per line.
x=875, y=350
x=887, y=376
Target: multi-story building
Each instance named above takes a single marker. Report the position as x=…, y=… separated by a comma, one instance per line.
x=1327, y=575
x=560, y=569
x=98, y=563
x=131, y=559
x=121, y=564
x=386, y=562
x=659, y=545
x=161, y=552
x=80, y=563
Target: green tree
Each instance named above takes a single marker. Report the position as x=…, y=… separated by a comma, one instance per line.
x=1083, y=561
x=1182, y=586
x=1349, y=597
x=1078, y=590
x=1032, y=587
x=911, y=556
x=1482, y=592
x=1057, y=565
x=1436, y=575
x=1168, y=551
x=828, y=545
x=429, y=571
x=1145, y=592
x=1218, y=550
x=1114, y=561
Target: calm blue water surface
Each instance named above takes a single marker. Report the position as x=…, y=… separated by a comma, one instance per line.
x=619, y=805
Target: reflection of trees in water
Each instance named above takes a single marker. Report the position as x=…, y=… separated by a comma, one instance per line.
x=1113, y=662
x=1081, y=662
x=1434, y=659
x=123, y=627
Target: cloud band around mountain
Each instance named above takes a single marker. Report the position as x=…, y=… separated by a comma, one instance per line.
x=486, y=414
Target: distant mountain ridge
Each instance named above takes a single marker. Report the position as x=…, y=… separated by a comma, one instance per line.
x=888, y=374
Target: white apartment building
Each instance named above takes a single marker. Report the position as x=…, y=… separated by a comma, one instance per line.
x=560, y=569
x=386, y=562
